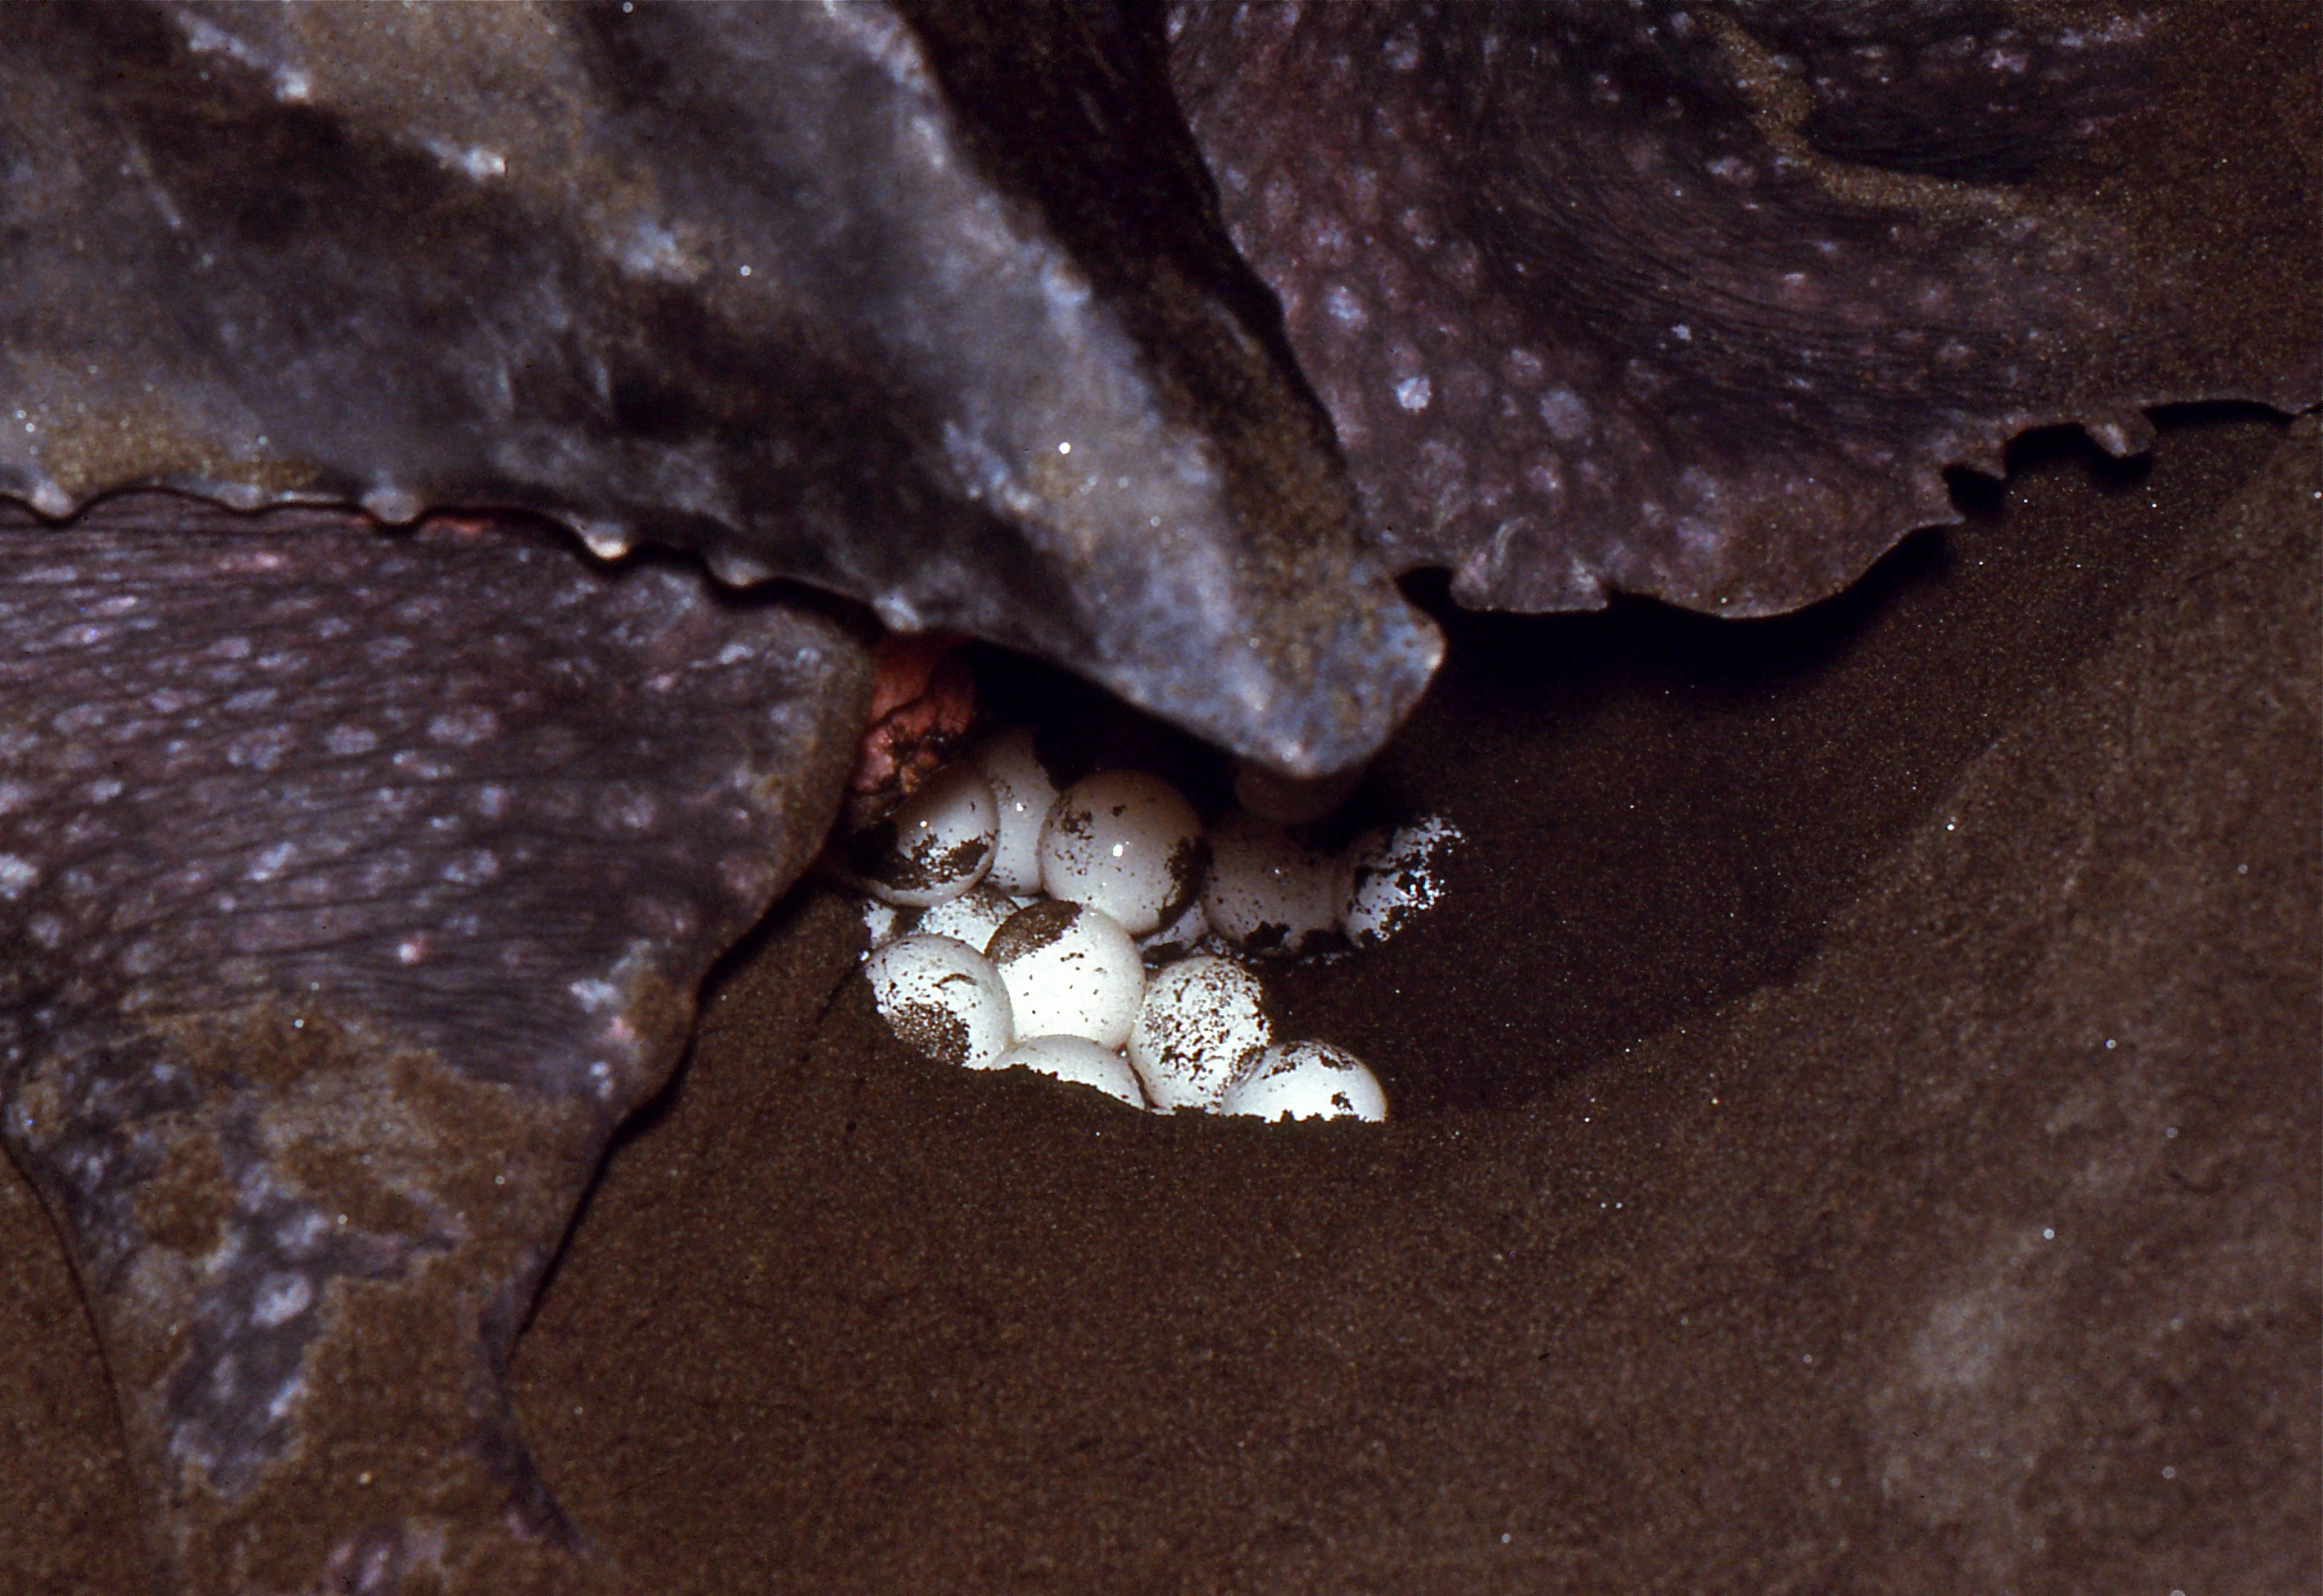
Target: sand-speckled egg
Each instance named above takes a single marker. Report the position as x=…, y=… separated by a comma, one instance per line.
x=1125, y=842
x=1077, y=1059
x=1305, y=1080
x=971, y=918
x=1181, y=935
x=1201, y=1018
x=1393, y=876
x=1022, y=789
x=1071, y=970
x=1266, y=893
x=942, y=998
x=936, y=845
x=882, y=922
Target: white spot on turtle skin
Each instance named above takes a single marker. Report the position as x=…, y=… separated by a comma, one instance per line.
x=595, y=995
x=260, y=750
x=281, y=1298
x=1345, y=306
x=15, y=876
x=472, y=160
x=474, y=868
x=1413, y=393
x=1567, y=414
x=397, y=507
x=269, y=865
x=464, y=727
x=607, y=540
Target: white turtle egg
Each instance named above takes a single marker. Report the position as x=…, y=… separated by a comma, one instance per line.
x=1023, y=790
x=971, y=918
x=1201, y=1018
x=936, y=845
x=1124, y=843
x=1077, y=1059
x=1393, y=876
x=1291, y=801
x=942, y=998
x=1070, y=971
x=1181, y=937
x=882, y=922
x=1305, y=1080
x=1265, y=894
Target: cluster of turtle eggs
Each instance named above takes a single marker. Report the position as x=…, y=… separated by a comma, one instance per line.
x=1085, y=934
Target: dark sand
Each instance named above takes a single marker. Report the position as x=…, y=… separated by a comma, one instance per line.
x=1859, y=1132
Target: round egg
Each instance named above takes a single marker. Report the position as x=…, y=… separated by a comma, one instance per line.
x=1077, y=1059
x=942, y=998
x=936, y=845
x=1022, y=789
x=1201, y=1018
x=1070, y=971
x=1291, y=801
x=1393, y=876
x=971, y=918
x=882, y=922
x=1124, y=843
x=1305, y=1080
x=1265, y=892
x=1183, y=933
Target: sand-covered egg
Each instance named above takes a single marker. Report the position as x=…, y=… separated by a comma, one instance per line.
x=942, y=998
x=1305, y=1080
x=936, y=844
x=1124, y=843
x=1393, y=875
x=1292, y=801
x=1077, y=1059
x=1201, y=1018
x=1071, y=970
x=1266, y=892
x=971, y=918
x=883, y=923
x=1024, y=792
x=1180, y=936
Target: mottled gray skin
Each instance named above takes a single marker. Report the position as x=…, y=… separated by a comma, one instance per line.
x=357, y=886
x=354, y=884
x=1697, y=301
x=801, y=291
